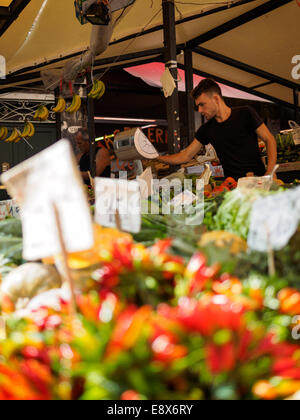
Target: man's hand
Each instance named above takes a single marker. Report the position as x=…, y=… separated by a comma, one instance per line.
x=184, y=156
x=269, y=173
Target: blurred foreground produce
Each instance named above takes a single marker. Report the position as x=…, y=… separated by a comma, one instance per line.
x=193, y=317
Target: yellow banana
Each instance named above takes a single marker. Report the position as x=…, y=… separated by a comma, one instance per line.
x=72, y=106
x=95, y=89
x=44, y=114
x=78, y=103
x=14, y=136
x=75, y=105
x=37, y=114
x=3, y=133
x=41, y=114
x=26, y=130
x=32, y=129
x=98, y=90
x=19, y=137
x=101, y=91
x=61, y=105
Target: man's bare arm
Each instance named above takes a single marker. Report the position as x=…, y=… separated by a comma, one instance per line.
x=102, y=161
x=184, y=156
x=265, y=135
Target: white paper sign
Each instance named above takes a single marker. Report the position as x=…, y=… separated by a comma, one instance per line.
x=51, y=177
x=118, y=198
x=146, y=183
x=9, y=208
x=274, y=220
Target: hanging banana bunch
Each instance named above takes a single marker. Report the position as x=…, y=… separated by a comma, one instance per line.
x=29, y=130
x=75, y=105
x=41, y=114
x=3, y=133
x=14, y=137
x=61, y=105
x=98, y=90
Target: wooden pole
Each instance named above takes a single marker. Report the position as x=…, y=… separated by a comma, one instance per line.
x=67, y=271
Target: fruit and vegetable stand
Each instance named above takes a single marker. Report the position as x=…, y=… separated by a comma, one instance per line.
x=174, y=312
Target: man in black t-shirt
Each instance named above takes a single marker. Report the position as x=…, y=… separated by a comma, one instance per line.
x=102, y=157
x=233, y=133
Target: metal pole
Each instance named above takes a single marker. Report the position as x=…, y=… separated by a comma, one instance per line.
x=91, y=127
x=296, y=105
x=171, y=63
x=189, y=85
x=57, y=117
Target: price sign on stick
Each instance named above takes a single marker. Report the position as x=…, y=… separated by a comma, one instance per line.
x=146, y=183
x=274, y=220
x=47, y=179
x=118, y=204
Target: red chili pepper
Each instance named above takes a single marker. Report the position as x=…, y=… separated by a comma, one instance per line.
x=269, y=346
x=227, y=357
x=40, y=375
x=212, y=358
x=245, y=341
x=293, y=373
x=283, y=364
x=161, y=246
x=123, y=253
x=130, y=395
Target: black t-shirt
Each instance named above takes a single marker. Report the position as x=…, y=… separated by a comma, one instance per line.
x=84, y=165
x=235, y=141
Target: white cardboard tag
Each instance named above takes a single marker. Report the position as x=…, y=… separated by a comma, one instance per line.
x=51, y=177
x=146, y=183
x=274, y=220
x=122, y=196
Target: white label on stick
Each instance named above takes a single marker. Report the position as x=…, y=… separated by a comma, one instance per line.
x=146, y=183
x=118, y=201
x=274, y=220
x=51, y=177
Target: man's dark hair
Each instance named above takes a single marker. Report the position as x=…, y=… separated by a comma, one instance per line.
x=84, y=132
x=206, y=86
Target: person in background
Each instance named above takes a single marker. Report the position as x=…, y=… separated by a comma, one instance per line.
x=233, y=132
x=83, y=158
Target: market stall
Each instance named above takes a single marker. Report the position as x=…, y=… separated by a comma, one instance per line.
x=184, y=295
x=176, y=311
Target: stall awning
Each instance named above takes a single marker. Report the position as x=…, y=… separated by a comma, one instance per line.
x=247, y=44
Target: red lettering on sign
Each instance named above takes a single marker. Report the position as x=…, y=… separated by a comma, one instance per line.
x=159, y=134
x=151, y=135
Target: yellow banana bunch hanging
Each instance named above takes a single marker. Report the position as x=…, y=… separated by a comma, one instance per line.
x=3, y=133
x=98, y=90
x=14, y=137
x=61, y=105
x=29, y=130
x=75, y=105
x=41, y=114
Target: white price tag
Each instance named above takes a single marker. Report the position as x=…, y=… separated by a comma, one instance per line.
x=274, y=220
x=146, y=183
x=51, y=177
x=118, y=199
x=8, y=208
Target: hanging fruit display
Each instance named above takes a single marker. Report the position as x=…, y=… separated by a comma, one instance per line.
x=41, y=113
x=61, y=105
x=98, y=90
x=75, y=105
